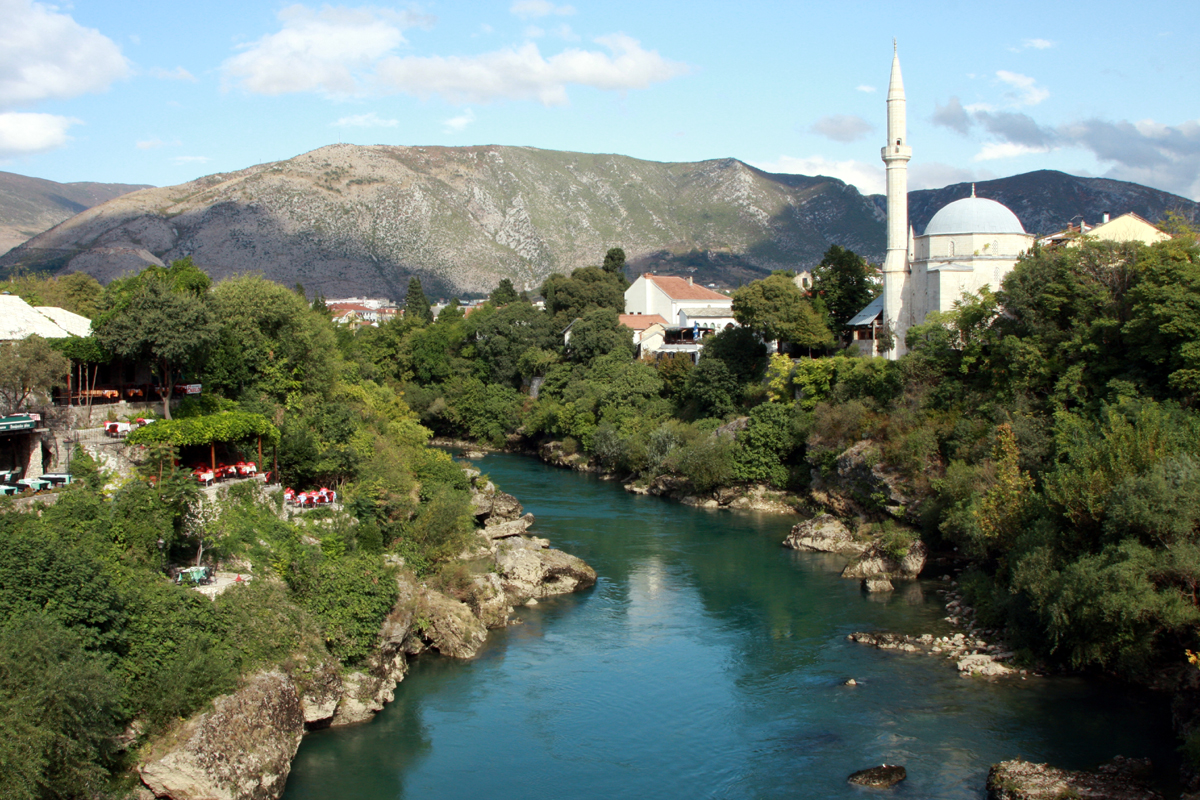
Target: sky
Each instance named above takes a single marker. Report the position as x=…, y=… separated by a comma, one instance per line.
x=162, y=93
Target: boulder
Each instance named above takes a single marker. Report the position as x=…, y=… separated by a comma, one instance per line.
x=528, y=570
x=874, y=561
x=877, y=584
x=860, y=482
x=1122, y=779
x=502, y=529
x=882, y=777
x=983, y=666
x=505, y=507
x=823, y=534
x=239, y=749
x=489, y=601
x=320, y=692
x=365, y=695
x=448, y=625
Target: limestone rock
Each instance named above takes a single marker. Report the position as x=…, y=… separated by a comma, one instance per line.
x=1122, y=779
x=982, y=665
x=823, y=534
x=877, y=584
x=365, y=696
x=448, y=625
x=527, y=570
x=881, y=777
x=501, y=529
x=489, y=601
x=505, y=507
x=320, y=693
x=239, y=749
x=874, y=561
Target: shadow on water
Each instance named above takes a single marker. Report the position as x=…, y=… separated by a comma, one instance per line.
x=707, y=661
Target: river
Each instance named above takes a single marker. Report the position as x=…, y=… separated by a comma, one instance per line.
x=707, y=661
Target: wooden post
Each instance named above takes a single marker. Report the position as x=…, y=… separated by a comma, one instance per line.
x=212, y=449
x=259, y=465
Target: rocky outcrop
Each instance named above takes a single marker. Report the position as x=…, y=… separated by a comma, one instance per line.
x=240, y=749
x=882, y=777
x=973, y=657
x=876, y=562
x=447, y=625
x=860, y=483
x=823, y=534
x=529, y=570
x=320, y=692
x=1122, y=779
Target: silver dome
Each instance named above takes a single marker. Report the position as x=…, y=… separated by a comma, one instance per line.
x=974, y=215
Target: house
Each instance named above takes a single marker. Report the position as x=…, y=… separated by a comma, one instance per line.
x=19, y=320
x=639, y=324
x=1125, y=228
x=672, y=298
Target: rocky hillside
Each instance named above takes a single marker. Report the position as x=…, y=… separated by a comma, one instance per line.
x=1046, y=200
x=29, y=206
x=347, y=219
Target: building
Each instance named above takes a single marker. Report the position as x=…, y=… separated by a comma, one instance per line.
x=672, y=298
x=1125, y=228
x=19, y=320
x=640, y=324
x=969, y=244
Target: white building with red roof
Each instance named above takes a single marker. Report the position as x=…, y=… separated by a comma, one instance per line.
x=679, y=301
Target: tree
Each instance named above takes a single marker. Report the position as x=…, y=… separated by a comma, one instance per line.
x=28, y=367
x=171, y=329
x=588, y=287
x=597, y=333
x=504, y=294
x=777, y=309
x=843, y=283
x=416, y=306
x=614, y=261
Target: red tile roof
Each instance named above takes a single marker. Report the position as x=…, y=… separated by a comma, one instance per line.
x=639, y=322
x=681, y=289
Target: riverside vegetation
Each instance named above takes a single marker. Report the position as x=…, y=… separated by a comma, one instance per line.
x=102, y=658
x=1043, y=435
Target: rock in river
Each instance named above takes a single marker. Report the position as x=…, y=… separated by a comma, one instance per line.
x=823, y=534
x=241, y=749
x=881, y=777
x=1122, y=779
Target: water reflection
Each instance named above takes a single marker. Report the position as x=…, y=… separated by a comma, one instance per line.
x=707, y=661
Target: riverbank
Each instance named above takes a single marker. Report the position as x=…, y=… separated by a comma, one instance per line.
x=241, y=747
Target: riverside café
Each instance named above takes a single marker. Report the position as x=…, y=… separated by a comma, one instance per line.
x=20, y=447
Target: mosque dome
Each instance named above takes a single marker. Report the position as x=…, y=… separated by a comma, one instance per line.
x=974, y=215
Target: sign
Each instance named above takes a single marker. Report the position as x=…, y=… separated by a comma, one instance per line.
x=17, y=423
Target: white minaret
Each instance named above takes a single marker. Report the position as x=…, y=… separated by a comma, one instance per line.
x=896, y=154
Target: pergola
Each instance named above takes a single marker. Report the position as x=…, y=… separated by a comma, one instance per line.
x=224, y=426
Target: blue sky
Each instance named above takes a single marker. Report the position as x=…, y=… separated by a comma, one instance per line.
x=161, y=93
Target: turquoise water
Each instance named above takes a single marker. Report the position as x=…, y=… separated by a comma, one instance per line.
x=707, y=662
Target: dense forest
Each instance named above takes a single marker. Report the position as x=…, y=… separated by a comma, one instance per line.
x=1045, y=433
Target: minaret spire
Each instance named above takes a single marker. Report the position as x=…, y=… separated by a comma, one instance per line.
x=896, y=154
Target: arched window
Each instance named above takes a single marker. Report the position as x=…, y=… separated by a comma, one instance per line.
x=952, y=247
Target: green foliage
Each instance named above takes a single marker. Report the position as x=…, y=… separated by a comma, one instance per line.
x=764, y=444
x=588, y=288
x=416, y=306
x=350, y=597
x=843, y=282
x=504, y=294
x=740, y=350
x=28, y=368
x=502, y=336
x=597, y=333
x=776, y=308
x=224, y=426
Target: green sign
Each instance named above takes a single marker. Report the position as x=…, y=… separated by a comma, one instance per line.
x=18, y=423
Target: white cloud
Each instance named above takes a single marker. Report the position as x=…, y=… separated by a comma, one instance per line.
x=842, y=127
x=935, y=175
x=565, y=32
x=523, y=73
x=327, y=50
x=992, y=151
x=862, y=87
x=527, y=9
x=45, y=54
x=149, y=144
x=24, y=134
x=459, y=123
x=868, y=178
x=1027, y=92
x=177, y=74
x=369, y=120
x=534, y=32
x=1037, y=44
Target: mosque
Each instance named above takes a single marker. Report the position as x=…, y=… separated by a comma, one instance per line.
x=969, y=244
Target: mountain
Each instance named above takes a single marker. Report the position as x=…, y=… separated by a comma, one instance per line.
x=348, y=219
x=29, y=206
x=353, y=220
x=1046, y=200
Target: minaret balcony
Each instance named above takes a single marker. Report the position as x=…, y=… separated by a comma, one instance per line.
x=896, y=151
